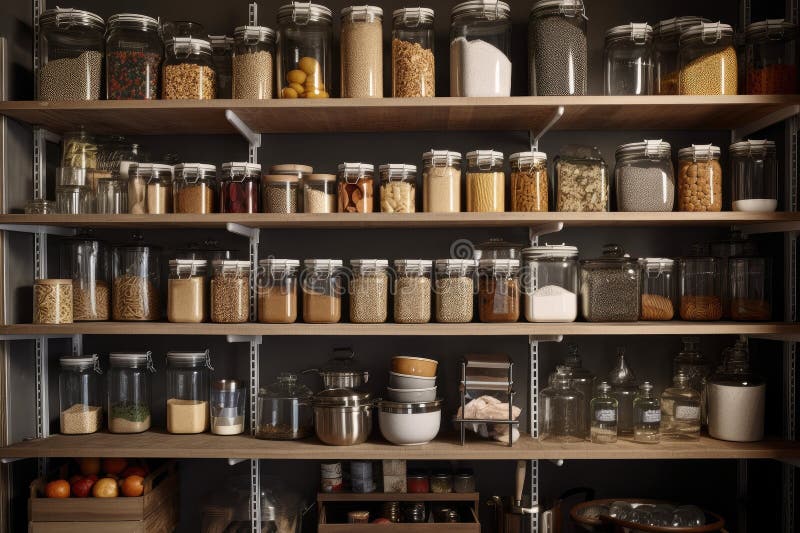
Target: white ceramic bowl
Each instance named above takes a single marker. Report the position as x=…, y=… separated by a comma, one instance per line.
x=411, y=395
x=406, y=381
x=409, y=424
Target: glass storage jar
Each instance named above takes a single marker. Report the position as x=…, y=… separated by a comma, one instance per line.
x=238, y=188
x=750, y=283
x=79, y=395
x=79, y=150
x=563, y=411
x=610, y=287
x=115, y=154
x=72, y=177
x=134, y=52
x=603, y=413
x=581, y=180
x=85, y=261
x=72, y=43
x=771, y=57
x=658, y=288
x=699, y=178
x=230, y=291
x=755, y=176
x=52, y=301
x=189, y=72
x=222, y=59
x=112, y=196
x=356, y=187
x=441, y=483
x=398, y=188
x=700, y=279
x=580, y=378
x=646, y=415
x=187, y=391
x=557, y=48
x=692, y=363
x=529, y=182
x=227, y=405
x=293, y=169
x=480, y=48
x=277, y=290
x=280, y=193
x=74, y=200
x=369, y=291
x=305, y=44
x=319, y=193
x=129, y=391
x=624, y=388
x=193, y=188
x=550, y=283
x=665, y=52
x=322, y=291
x=186, y=290
x=150, y=189
x=680, y=410
x=40, y=206
x=645, y=178
x=486, y=182
x=284, y=410
x=441, y=181
x=361, y=52
x=412, y=291
x=455, y=290
x=253, y=58
x=498, y=290
x=708, y=64
x=136, y=282
x=413, y=63
x=628, y=60
x=464, y=481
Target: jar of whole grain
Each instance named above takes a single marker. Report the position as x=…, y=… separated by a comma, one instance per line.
x=558, y=51
x=699, y=178
x=222, y=58
x=280, y=193
x=193, y=188
x=305, y=45
x=413, y=64
x=79, y=395
x=412, y=291
x=498, y=290
x=189, y=72
x=398, y=188
x=665, y=45
x=230, y=291
x=362, y=52
x=297, y=170
x=441, y=181
x=319, y=193
x=771, y=57
x=486, y=182
x=628, y=60
x=86, y=262
x=455, y=290
x=238, y=188
x=658, y=288
x=581, y=180
x=369, y=291
x=610, y=286
x=186, y=290
x=529, y=181
x=645, y=177
x=754, y=176
x=708, y=64
x=277, y=290
x=52, y=301
x=136, y=282
x=150, y=189
x=253, y=59
x=700, y=288
x=322, y=287
x=356, y=187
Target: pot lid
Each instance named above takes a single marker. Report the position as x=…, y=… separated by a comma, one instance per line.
x=341, y=398
x=410, y=407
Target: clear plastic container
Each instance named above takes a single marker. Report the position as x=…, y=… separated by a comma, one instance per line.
x=665, y=40
x=362, y=52
x=658, y=288
x=699, y=178
x=227, y=405
x=81, y=407
x=398, y=188
x=129, y=391
x=280, y=193
x=529, y=182
x=369, y=291
x=134, y=52
x=700, y=292
x=480, y=48
x=193, y=188
x=150, y=189
x=550, y=283
x=455, y=290
x=708, y=63
x=498, y=290
x=441, y=181
x=187, y=289
x=645, y=178
x=610, y=287
x=563, y=411
x=771, y=57
x=230, y=291
x=754, y=176
x=52, y=301
x=486, y=182
x=277, y=290
x=356, y=187
x=628, y=60
x=78, y=150
x=413, y=62
x=253, y=62
x=239, y=188
x=187, y=391
x=557, y=48
x=305, y=45
x=750, y=283
x=322, y=291
x=189, y=72
x=85, y=261
x=112, y=196
x=581, y=180
x=222, y=59
x=412, y=291
x=319, y=193
x=136, y=282
x=284, y=410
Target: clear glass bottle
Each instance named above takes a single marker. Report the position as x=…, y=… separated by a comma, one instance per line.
x=277, y=290
x=529, y=182
x=498, y=290
x=284, y=410
x=85, y=261
x=646, y=415
x=187, y=391
x=680, y=410
x=581, y=181
x=253, y=62
x=356, y=187
x=134, y=52
x=754, y=176
x=398, y=188
x=665, y=43
x=135, y=293
x=413, y=64
x=369, y=291
x=150, y=189
x=187, y=288
x=323, y=289
x=412, y=291
x=227, y=406
x=603, y=412
x=700, y=288
x=239, y=188
x=319, y=193
x=610, y=287
x=658, y=288
x=193, y=188
x=624, y=388
x=645, y=177
x=557, y=48
x=771, y=57
x=455, y=290
x=230, y=291
x=750, y=283
x=486, y=182
x=628, y=60
x=129, y=391
x=81, y=407
x=305, y=45
x=563, y=411
x=189, y=72
x=361, y=52
x=581, y=378
x=441, y=181
x=554, y=269
x=222, y=59
x=708, y=61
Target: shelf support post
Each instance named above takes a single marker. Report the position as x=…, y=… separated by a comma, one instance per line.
x=534, y=137
x=536, y=231
x=255, y=467
x=252, y=138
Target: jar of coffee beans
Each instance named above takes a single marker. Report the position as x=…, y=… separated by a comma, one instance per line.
x=700, y=288
x=658, y=288
x=356, y=187
x=645, y=177
x=699, y=178
x=610, y=286
x=558, y=51
x=455, y=290
x=498, y=290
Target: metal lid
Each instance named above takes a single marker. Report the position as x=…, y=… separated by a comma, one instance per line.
x=241, y=167
x=195, y=167
x=226, y=385
x=188, y=263
x=670, y=29
x=651, y=149
x=279, y=264
x=441, y=158
x=80, y=361
x=700, y=152
x=361, y=13
x=455, y=263
x=413, y=263
x=188, y=45
x=771, y=30
x=190, y=358
x=280, y=178
x=398, y=170
x=320, y=177
x=151, y=168
x=527, y=158
x=567, y=8
x=708, y=32
x=132, y=359
x=489, y=9
x=751, y=147
x=636, y=32
x=373, y=263
x=413, y=16
x=341, y=398
x=302, y=13
x=482, y=157
x=499, y=264
x=410, y=407
x=322, y=263
x=230, y=263
x=64, y=18
x=550, y=250
x=356, y=168
x=290, y=168
x=254, y=34
x=147, y=23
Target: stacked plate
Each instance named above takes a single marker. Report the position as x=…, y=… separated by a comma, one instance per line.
x=412, y=380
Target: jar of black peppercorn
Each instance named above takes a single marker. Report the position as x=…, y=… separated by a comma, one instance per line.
x=133, y=57
x=610, y=286
x=238, y=188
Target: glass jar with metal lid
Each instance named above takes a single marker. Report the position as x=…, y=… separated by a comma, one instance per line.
x=85, y=261
x=222, y=59
x=362, y=52
x=581, y=180
x=193, y=188
x=150, y=189
x=412, y=291
x=188, y=375
x=253, y=58
x=557, y=48
x=455, y=290
x=486, y=182
x=628, y=60
x=238, y=188
x=750, y=282
x=81, y=407
x=464, y=481
x=549, y=281
x=699, y=178
x=398, y=188
x=322, y=291
x=277, y=290
x=134, y=52
x=441, y=181
x=189, y=72
x=658, y=288
x=72, y=43
x=645, y=177
x=129, y=391
x=356, y=187
x=754, y=176
x=610, y=286
x=281, y=193
x=413, y=63
x=665, y=41
x=284, y=410
x=187, y=288
x=369, y=291
x=319, y=193
x=708, y=63
x=230, y=291
x=700, y=288
x=498, y=290
x=136, y=282
x=305, y=45
x=529, y=182
x=771, y=57
x=227, y=406
x=480, y=48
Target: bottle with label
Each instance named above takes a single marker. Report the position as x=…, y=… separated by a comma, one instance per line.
x=680, y=410
x=624, y=389
x=646, y=415
x=603, y=413
x=562, y=411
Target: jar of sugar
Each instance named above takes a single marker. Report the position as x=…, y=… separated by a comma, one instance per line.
x=550, y=283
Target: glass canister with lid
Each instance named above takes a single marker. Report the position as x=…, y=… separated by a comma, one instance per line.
x=277, y=290
x=253, y=59
x=136, y=282
x=480, y=48
x=80, y=406
x=550, y=283
x=557, y=48
x=79, y=150
x=322, y=287
x=369, y=291
x=645, y=177
x=455, y=290
x=529, y=182
x=284, y=410
x=771, y=57
x=398, y=188
x=413, y=63
x=238, y=188
x=305, y=45
x=72, y=42
x=222, y=59
x=134, y=52
x=581, y=180
x=362, y=52
x=319, y=193
x=658, y=288
x=85, y=261
x=227, y=406
x=186, y=290
x=700, y=288
x=296, y=170
x=486, y=182
x=412, y=291
x=665, y=41
x=708, y=64
x=188, y=375
x=150, y=189
x=750, y=284
x=699, y=178
x=356, y=187
x=129, y=391
x=189, y=72
x=754, y=176
x=230, y=291
x=628, y=60
x=52, y=301
x=441, y=181
x=498, y=290
x=193, y=188
x=610, y=286
x=281, y=193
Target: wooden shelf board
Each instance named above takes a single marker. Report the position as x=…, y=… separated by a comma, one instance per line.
x=397, y=497
x=163, y=117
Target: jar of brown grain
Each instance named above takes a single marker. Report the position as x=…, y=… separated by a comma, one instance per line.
x=699, y=178
x=193, y=188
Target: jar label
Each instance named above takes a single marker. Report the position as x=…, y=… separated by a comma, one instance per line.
x=687, y=412
x=605, y=415
x=651, y=416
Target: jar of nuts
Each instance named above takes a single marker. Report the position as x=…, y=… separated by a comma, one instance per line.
x=230, y=291
x=319, y=193
x=455, y=290
x=280, y=193
x=486, y=182
x=356, y=187
x=699, y=178
x=529, y=183
x=658, y=288
x=305, y=42
x=645, y=177
x=441, y=181
x=193, y=188
x=52, y=301
x=581, y=180
x=369, y=291
x=189, y=72
x=398, y=188
x=700, y=288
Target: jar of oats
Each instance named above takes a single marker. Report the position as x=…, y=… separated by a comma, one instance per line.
x=412, y=291
x=189, y=72
x=529, y=183
x=486, y=182
x=193, y=188
x=455, y=290
x=369, y=291
x=85, y=261
x=52, y=301
x=441, y=181
x=230, y=291
x=398, y=188
x=319, y=193
x=699, y=178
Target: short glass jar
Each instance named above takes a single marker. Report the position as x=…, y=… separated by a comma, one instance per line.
x=658, y=288
x=708, y=64
x=80, y=404
x=193, y=188
x=319, y=193
x=665, y=43
x=754, y=176
x=557, y=48
x=486, y=182
x=356, y=187
x=189, y=72
x=699, y=178
x=398, y=188
x=227, y=407
x=187, y=391
x=277, y=290
x=238, y=188
x=322, y=287
x=112, y=196
x=134, y=52
x=40, y=206
x=230, y=291
x=369, y=291
x=455, y=290
x=187, y=287
x=498, y=290
x=441, y=181
x=628, y=60
x=293, y=169
x=771, y=57
x=305, y=45
x=610, y=287
x=129, y=391
x=280, y=193
x=284, y=410
x=253, y=62
x=222, y=59
x=362, y=52
x=441, y=483
x=74, y=200
x=549, y=281
x=750, y=283
x=413, y=63
x=86, y=262
x=464, y=482
x=581, y=180
x=645, y=177
x=700, y=290
x=529, y=182
x=150, y=189
x=418, y=483
x=412, y=291
x=52, y=301
x=136, y=282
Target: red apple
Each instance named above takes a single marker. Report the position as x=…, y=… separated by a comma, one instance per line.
x=134, y=470
x=82, y=488
x=75, y=478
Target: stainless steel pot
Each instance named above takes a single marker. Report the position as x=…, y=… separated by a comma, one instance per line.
x=341, y=379
x=343, y=417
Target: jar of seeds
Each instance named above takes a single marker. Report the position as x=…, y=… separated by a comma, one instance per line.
x=412, y=291
x=305, y=44
x=700, y=288
x=253, y=53
x=356, y=187
x=52, y=301
x=136, y=282
x=486, y=182
x=398, y=188
x=413, y=70
x=455, y=290
x=280, y=193
x=708, y=63
x=529, y=182
x=645, y=177
x=610, y=287
x=293, y=169
x=193, y=188
x=498, y=290
x=441, y=181
x=369, y=291
x=658, y=288
x=86, y=262
x=581, y=180
x=150, y=189
x=322, y=286
x=189, y=72
x=230, y=291
x=319, y=193
x=628, y=60
x=557, y=48
x=277, y=290
x=699, y=178
x=665, y=44
x=238, y=188
x=362, y=52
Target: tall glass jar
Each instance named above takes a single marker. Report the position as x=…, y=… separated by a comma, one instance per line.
x=680, y=410
x=455, y=290
x=665, y=43
x=413, y=63
x=134, y=52
x=498, y=290
x=253, y=58
x=369, y=291
x=550, y=283
x=322, y=286
x=557, y=48
x=691, y=362
x=72, y=43
x=480, y=48
x=319, y=193
x=603, y=413
x=112, y=196
x=80, y=406
x=136, y=283
x=628, y=60
x=529, y=182
x=85, y=261
x=700, y=293
x=398, y=188
x=486, y=182
x=305, y=44
x=624, y=388
x=412, y=291
x=708, y=64
x=129, y=391
x=230, y=291
x=187, y=391
x=441, y=181
x=280, y=193
x=150, y=189
x=189, y=72
x=227, y=406
x=356, y=187
x=646, y=415
x=563, y=411
x=52, y=301
x=581, y=180
x=645, y=178
x=734, y=246
x=284, y=410
x=362, y=52
x=580, y=377
x=610, y=287
x=750, y=283
x=186, y=290
x=658, y=288
x=193, y=188
x=238, y=188
x=277, y=290
x=771, y=57
x=222, y=59
x=699, y=178
x=755, y=176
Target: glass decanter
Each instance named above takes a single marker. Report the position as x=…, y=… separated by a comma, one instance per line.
x=680, y=410
x=603, y=413
x=562, y=411
x=646, y=415
x=624, y=389
x=582, y=379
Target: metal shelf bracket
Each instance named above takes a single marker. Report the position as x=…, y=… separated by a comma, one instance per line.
x=545, y=338
x=534, y=137
x=537, y=230
x=764, y=122
x=244, y=338
x=252, y=138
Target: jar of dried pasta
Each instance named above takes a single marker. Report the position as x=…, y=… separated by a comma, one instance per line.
x=356, y=187
x=193, y=188
x=52, y=301
x=699, y=178
x=498, y=290
x=186, y=290
x=369, y=291
x=486, y=182
x=529, y=183
x=136, y=282
x=85, y=261
x=230, y=291
x=277, y=290
x=150, y=189
x=398, y=188
x=412, y=291
x=455, y=290
x=700, y=288
x=441, y=181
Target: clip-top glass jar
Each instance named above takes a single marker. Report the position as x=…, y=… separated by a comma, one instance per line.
x=85, y=261
x=135, y=287
x=550, y=283
x=699, y=178
x=771, y=57
x=238, y=188
x=222, y=59
x=189, y=72
x=529, y=182
x=610, y=287
x=356, y=187
x=700, y=288
x=322, y=291
x=305, y=44
x=78, y=390
x=129, y=391
x=134, y=52
x=750, y=284
x=708, y=64
x=658, y=288
x=666, y=34
x=413, y=63
x=369, y=291
x=193, y=188
x=284, y=410
x=581, y=180
x=486, y=182
x=755, y=176
x=187, y=391
x=628, y=60
x=441, y=181
x=150, y=189
x=645, y=177
x=412, y=291
x=72, y=43
x=277, y=290
x=398, y=188
x=186, y=290
x=230, y=291
x=557, y=48
x=362, y=52
x=253, y=53
x=455, y=290
x=498, y=290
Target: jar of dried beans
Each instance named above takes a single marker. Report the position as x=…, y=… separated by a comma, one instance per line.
x=277, y=290
x=356, y=187
x=754, y=176
x=369, y=291
x=750, y=282
x=129, y=391
x=455, y=290
x=700, y=288
x=305, y=45
x=193, y=188
x=549, y=281
x=441, y=181
x=412, y=291
x=498, y=290
x=136, y=282
x=189, y=72
x=186, y=290
x=230, y=291
x=52, y=301
x=398, y=188
x=486, y=182
x=529, y=182
x=610, y=286
x=413, y=70
x=238, y=188
x=253, y=53
x=771, y=57
x=708, y=63
x=658, y=288
x=581, y=180
x=79, y=395
x=362, y=52
x=134, y=52
x=322, y=286
x=645, y=177
x=150, y=189
x=699, y=178
x=319, y=193
x=85, y=261
x=665, y=43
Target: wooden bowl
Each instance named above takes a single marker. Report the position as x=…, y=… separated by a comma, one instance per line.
x=414, y=366
x=714, y=521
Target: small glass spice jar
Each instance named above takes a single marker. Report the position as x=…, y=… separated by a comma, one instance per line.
x=754, y=176
x=277, y=290
x=486, y=182
x=699, y=178
x=417, y=483
x=319, y=193
x=628, y=60
x=413, y=64
x=529, y=181
x=305, y=46
x=189, y=72
x=369, y=291
x=464, y=481
x=771, y=57
x=412, y=291
x=238, y=188
x=708, y=61
x=498, y=290
x=658, y=288
x=441, y=181
x=322, y=291
x=749, y=279
x=150, y=189
x=356, y=187
x=129, y=391
x=52, y=301
x=186, y=290
x=81, y=407
x=361, y=42
x=230, y=291
x=398, y=188
x=441, y=483
x=645, y=177
x=700, y=288
x=281, y=193
x=455, y=290
x=193, y=188
x=253, y=59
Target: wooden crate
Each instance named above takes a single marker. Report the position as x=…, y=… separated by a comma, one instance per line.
x=154, y=512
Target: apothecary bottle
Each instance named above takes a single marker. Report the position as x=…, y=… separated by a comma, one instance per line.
x=239, y=188
x=398, y=188
x=412, y=291
x=193, y=188
x=189, y=72
x=750, y=283
x=498, y=290
x=72, y=42
x=230, y=291
x=356, y=187
x=628, y=60
x=529, y=182
x=646, y=415
x=580, y=378
x=659, y=288
x=85, y=261
x=645, y=177
x=549, y=281
x=690, y=361
x=134, y=52
x=610, y=287
x=680, y=410
x=771, y=57
x=136, y=281
x=480, y=48
x=624, y=388
x=277, y=290
x=253, y=62
x=369, y=291
x=361, y=52
x=323, y=288
x=486, y=182
x=187, y=289
x=666, y=34
x=441, y=181
x=603, y=412
x=413, y=64
x=188, y=375
x=581, y=180
x=563, y=411
x=52, y=301
x=699, y=178
x=700, y=292
x=150, y=189
x=305, y=45
x=81, y=407
x=708, y=61
x=455, y=290
x=754, y=176
x=284, y=410
x=129, y=391
x=557, y=48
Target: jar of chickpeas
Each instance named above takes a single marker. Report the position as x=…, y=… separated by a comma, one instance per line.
x=398, y=188
x=699, y=178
